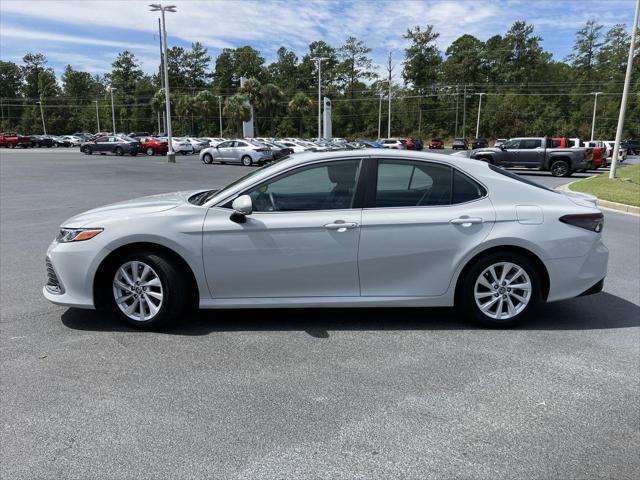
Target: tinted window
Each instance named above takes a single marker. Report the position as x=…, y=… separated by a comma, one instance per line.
x=511, y=144
x=226, y=145
x=465, y=189
x=530, y=143
x=326, y=186
x=404, y=183
x=551, y=143
x=102, y=139
x=241, y=144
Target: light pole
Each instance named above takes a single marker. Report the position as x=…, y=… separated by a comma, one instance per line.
x=156, y=7
x=113, y=111
x=44, y=127
x=479, y=109
x=625, y=94
x=220, y=112
x=318, y=61
x=379, y=115
x=97, y=116
x=595, y=105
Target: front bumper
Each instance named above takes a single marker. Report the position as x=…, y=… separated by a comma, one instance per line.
x=71, y=269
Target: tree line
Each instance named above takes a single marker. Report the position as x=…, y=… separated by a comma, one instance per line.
x=434, y=93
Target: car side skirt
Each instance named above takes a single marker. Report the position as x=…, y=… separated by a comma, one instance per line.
x=328, y=302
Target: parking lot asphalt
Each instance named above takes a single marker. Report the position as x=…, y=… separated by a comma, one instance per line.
x=327, y=393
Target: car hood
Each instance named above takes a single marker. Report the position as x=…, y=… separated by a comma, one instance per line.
x=129, y=209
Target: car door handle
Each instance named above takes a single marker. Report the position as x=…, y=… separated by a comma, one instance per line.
x=466, y=221
x=340, y=226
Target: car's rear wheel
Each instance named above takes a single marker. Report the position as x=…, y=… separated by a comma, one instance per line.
x=147, y=290
x=150, y=152
x=119, y=151
x=500, y=289
x=207, y=158
x=246, y=160
x=560, y=168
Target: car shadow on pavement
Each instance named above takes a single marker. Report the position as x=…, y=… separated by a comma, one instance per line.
x=601, y=311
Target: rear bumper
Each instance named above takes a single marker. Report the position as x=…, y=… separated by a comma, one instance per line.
x=575, y=276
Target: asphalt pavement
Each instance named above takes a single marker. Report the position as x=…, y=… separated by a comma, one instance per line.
x=308, y=393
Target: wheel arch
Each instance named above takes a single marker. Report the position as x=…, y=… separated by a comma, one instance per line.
x=99, y=294
x=542, y=269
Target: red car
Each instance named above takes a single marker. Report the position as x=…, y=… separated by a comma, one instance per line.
x=12, y=139
x=153, y=146
x=598, y=152
x=436, y=144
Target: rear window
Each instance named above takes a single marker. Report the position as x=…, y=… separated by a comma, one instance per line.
x=513, y=176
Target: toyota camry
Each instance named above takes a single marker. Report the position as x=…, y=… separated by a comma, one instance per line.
x=359, y=228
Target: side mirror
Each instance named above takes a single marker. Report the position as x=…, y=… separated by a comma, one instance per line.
x=242, y=206
x=502, y=147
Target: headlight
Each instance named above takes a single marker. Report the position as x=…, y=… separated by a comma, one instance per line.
x=77, y=234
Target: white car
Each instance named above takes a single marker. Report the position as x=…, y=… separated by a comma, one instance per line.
x=294, y=146
x=213, y=141
x=393, y=143
x=622, y=152
x=355, y=228
x=73, y=140
x=180, y=145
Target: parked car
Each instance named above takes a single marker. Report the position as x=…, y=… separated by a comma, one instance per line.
x=73, y=140
x=40, y=141
x=237, y=151
x=394, y=143
x=59, y=141
x=139, y=134
x=297, y=147
x=479, y=143
x=213, y=141
x=414, y=143
x=154, y=146
x=13, y=139
x=633, y=146
x=112, y=144
x=198, y=144
x=459, y=144
x=436, y=144
x=610, y=145
x=499, y=141
x=533, y=152
x=179, y=145
x=278, y=149
x=369, y=143
x=301, y=233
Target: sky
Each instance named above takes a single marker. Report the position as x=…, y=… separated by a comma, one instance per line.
x=89, y=34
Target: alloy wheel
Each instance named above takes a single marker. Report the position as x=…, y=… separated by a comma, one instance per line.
x=502, y=290
x=137, y=291
x=559, y=169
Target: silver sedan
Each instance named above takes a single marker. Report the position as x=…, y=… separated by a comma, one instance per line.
x=246, y=152
x=357, y=228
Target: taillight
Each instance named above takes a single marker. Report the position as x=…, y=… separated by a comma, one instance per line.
x=589, y=221
x=261, y=149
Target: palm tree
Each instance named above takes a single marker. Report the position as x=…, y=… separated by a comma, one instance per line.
x=185, y=107
x=251, y=91
x=237, y=111
x=207, y=103
x=300, y=105
x=270, y=96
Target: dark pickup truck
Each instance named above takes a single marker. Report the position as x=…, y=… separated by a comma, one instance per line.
x=535, y=152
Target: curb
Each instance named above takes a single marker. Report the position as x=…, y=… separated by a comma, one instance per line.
x=606, y=204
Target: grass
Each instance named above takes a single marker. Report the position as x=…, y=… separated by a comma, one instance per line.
x=624, y=189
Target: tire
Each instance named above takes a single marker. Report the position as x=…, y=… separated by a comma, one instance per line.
x=246, y=160
x=480, y=280
x=207, y=158
x=560, y=168
x=169, y=288
x=183, y=152
x=87, y=151
x=11, y=145
x=150, y=152
x=119, y=151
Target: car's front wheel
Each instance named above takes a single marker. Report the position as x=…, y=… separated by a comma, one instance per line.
x=147, y=290
x=500, y=289
x=207, y=158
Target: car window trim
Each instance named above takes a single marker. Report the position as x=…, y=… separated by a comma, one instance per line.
x=357, y=196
